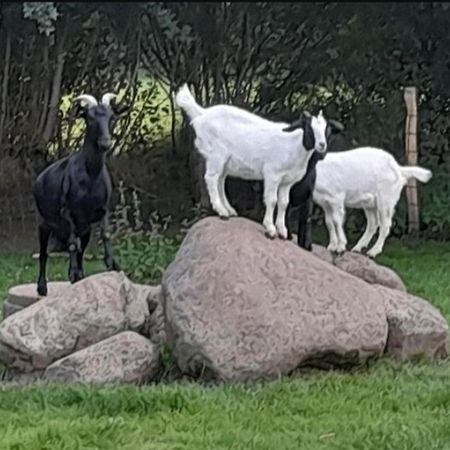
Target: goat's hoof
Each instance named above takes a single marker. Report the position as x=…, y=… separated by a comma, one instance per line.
x=361, y=251
x=76, y=276
x=337, y=252
x=42, y=290
x=224, y=217
x=113, y=267
x=270, y=234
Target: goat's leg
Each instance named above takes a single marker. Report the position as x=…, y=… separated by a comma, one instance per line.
x=270, y=200
x=110, y=262
x=212, y=180
x=338, y=219
x=84, y=241
x=223, y=197
x=288, y=219
x=304, y=233
x=75, y=273
x=332, y=234
x=74, y=247
x=44, y=235
x=385, y=221
x=371, y=229
x=282, y=204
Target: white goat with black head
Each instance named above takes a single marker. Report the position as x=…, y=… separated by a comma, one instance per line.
x=238, y=143
x=74, y=193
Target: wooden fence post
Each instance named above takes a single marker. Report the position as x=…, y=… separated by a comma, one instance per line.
x=410, y=96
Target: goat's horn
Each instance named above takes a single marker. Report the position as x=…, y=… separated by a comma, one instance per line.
x=107, y=98
x=89, y=99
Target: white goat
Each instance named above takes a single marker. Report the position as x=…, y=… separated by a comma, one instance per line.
x=365, y=178
x=241, y=144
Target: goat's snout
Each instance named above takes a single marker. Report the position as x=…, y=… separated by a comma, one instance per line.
x=104, y=143
x=321, y=146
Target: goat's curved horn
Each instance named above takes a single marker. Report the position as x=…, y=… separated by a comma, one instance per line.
x=107, y=98
x=89, y=99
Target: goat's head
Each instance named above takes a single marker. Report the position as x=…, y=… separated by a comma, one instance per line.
x=316, y=130
x=100, y=118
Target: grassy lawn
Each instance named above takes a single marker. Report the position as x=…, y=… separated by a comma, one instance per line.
x=385, y=406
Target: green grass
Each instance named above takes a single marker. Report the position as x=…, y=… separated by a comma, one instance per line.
x=385, y=406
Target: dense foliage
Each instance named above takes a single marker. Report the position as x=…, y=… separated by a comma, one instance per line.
x=351, y=59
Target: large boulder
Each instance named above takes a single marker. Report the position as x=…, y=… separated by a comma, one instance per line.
x=89, y=311
x=240, y=306
x=416, y=328
x=361, y=266
x=126, y=357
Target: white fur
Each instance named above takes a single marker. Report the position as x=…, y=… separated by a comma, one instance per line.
x=365, y=178
x=241, y=144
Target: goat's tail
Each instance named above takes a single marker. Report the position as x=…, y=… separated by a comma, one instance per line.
x=186, y=101
x=419, y=173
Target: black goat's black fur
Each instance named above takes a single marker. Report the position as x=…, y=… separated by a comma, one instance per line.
x=74, y=194
x=301, y=194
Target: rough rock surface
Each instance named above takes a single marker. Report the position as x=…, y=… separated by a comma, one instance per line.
x=126, y=357
x=89, y=311
x=24, y=295
x=363, y=267
x=416, y=328
x=241, y=306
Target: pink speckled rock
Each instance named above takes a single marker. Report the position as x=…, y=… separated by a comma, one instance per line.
x=363, y=267
x=87, y=312
x=241, y=306
x=126, y=357
x=416, y=327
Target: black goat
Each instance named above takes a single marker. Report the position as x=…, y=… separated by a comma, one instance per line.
x=301, y=193
x=74, y=193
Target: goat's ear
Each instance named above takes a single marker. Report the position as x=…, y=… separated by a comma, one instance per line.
x=336, y=126
x=299, y=123
x=120, y=109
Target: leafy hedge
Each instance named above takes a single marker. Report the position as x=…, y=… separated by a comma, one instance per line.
x=352, y=60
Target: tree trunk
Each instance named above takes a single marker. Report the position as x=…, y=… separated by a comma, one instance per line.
x=5, y=80
x=56, y=91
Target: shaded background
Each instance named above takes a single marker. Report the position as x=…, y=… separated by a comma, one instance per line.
x=276, y=59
